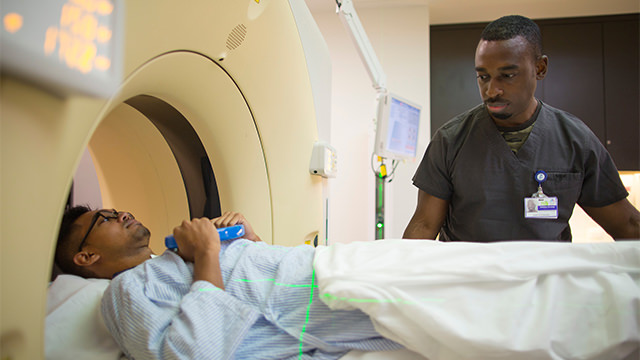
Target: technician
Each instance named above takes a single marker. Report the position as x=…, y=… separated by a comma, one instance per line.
x=513, y=168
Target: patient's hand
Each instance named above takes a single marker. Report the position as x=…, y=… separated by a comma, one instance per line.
x=199, y=242
x=195, y=237
x=233, y=218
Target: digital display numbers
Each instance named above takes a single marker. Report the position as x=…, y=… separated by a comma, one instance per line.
x=79, y=34
x=64, y=45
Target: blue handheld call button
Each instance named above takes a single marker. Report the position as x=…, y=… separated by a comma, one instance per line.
x=226, y=233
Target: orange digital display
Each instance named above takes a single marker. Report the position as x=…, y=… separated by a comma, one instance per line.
x=66, y=46
x=76, y=39
x=12, y=22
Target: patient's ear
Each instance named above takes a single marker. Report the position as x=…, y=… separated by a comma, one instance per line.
x=85, y=258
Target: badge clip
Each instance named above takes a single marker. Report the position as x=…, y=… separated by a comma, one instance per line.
x=540, y=177
x=539, y=205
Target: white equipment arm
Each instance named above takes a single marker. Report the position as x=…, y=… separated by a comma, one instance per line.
x=349, y=17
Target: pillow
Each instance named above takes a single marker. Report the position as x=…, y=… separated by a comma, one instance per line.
x=74, y=328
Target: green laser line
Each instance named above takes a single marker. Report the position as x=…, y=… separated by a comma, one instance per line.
x=329, y=296
x=353, y=300
x=306, y=321
x=313, y=285
x=333, y=297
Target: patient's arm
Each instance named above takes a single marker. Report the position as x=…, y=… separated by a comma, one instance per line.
x=157, y=311
x=620, y=220
x=199, y=243
x=234, y=218
x=428, y=217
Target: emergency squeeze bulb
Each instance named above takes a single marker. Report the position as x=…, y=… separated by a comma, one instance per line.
x=226, y=233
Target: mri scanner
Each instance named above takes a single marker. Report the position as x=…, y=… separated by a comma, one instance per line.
x=218, y=108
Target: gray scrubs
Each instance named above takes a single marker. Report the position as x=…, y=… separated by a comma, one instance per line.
x=469, y=164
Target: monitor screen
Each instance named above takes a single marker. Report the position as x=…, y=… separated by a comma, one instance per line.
x=397, y=128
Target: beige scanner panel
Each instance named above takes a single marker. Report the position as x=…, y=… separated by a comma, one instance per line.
x=42, y=138
x=136, y=168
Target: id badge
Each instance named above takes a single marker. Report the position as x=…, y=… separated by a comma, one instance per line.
x=542, y=207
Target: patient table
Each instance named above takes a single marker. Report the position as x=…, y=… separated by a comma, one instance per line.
x=449, y=301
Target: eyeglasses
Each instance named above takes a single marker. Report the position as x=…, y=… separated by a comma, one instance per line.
x=107, y=215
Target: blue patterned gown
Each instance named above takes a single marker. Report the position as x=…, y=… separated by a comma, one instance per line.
x=269, y=309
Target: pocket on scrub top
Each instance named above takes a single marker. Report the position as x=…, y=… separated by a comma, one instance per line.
x=564, y=185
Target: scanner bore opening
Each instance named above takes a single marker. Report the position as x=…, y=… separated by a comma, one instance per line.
x=188, y=151
x=195, y=167
x=194, y=164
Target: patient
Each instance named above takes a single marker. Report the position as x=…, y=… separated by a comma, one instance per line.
x=238, y=299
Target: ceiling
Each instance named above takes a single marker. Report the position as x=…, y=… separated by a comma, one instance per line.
x=315, y=5
x=465, y=11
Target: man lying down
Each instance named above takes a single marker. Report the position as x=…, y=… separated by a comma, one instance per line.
x=242, y=299
x=445, y=301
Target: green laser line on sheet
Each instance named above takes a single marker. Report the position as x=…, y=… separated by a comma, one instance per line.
x=306, y=320
x=333, y=297
x=328, y=296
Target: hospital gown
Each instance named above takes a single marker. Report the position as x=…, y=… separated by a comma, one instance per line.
x=269, y=309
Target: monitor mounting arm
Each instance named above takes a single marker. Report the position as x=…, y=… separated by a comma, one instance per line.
x=350, y=19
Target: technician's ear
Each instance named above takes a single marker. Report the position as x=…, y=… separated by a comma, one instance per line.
x=542, y=65
x=84, y=258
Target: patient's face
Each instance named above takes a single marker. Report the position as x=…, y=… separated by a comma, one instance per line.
x=119, y=243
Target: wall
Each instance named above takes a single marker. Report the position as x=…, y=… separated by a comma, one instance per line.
x=400, y=38
x=464, y=11
x=584, y=229
x=86, y=188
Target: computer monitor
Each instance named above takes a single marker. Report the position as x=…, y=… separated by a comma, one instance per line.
x=397, y=128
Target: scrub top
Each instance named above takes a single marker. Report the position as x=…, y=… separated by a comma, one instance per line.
x=469, y=164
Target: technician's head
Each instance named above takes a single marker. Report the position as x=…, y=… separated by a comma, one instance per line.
x=100, y=243
x=508, y=63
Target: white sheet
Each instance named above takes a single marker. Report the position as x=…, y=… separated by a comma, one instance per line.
x=74, y=328
x=516, y=300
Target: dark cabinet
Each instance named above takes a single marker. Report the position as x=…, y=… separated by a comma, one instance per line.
x=622, y=92
x=575, y=79
x=594, y=73
x=453, y=79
